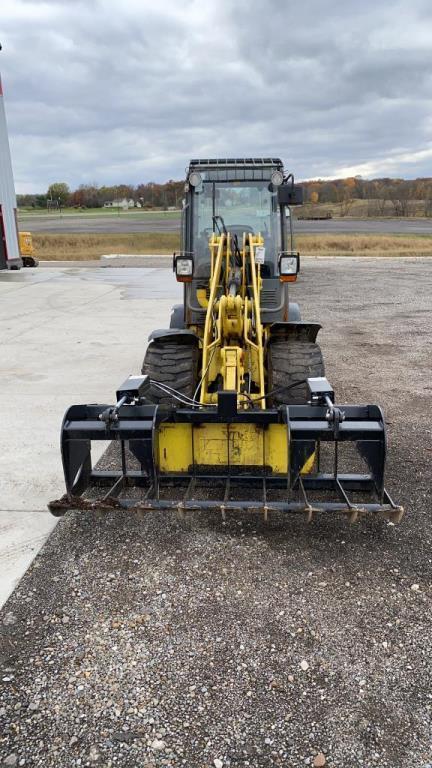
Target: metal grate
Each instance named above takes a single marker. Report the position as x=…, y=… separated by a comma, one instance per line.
x=269, y=298
x=238, y=161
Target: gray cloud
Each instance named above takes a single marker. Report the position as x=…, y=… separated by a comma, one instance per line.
x=108, y=91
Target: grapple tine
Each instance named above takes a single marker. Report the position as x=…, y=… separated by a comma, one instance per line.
x=394, y=515
x=300, y=485
x=225, y=499
x=397, y=515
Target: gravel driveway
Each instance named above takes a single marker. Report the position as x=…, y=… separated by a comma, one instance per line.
x=202, y=644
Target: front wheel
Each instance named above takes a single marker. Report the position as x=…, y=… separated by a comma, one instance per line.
x=290, y=361
x=175, y=365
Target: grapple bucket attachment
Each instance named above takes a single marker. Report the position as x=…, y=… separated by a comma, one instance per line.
x=286, y=459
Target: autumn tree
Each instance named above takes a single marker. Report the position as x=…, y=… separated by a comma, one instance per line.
x=59, y=192
x=345, y=196
x=399, y=195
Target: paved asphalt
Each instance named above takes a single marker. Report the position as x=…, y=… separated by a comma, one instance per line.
x=140, y=222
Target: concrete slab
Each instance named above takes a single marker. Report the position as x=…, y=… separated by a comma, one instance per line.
x=130, y=259
x=67, y=336
x=22, y=534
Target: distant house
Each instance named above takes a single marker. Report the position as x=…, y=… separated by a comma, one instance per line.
x=123, y=203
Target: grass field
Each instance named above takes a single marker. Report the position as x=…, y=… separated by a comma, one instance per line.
x=82, y=247
x=374, y=245
x=361, y=209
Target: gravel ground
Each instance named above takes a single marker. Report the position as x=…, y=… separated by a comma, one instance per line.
x=149, y=643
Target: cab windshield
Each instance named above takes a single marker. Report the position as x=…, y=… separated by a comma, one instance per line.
x=243, y=206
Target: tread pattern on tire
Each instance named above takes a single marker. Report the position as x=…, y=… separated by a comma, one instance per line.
x=289, y=361
x=174, y=364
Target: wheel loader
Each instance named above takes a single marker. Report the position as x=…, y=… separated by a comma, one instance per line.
x=232, y=410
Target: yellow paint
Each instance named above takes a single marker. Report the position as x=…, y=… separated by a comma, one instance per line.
x=232, y=368
x=233, y=321
x=308, y=465
x=276, y=448
x=201, y=295
x=26, y=244
x=217, y=445
x=175, y=447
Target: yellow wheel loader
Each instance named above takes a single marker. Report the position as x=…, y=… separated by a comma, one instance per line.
x=232, y=410
x=27, y=250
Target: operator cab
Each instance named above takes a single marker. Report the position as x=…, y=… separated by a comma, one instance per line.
x=239, y=196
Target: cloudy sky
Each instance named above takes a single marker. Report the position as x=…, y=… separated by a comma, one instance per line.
x=112, y=91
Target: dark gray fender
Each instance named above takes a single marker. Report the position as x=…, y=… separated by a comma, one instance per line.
x=179, y=334
x=294, y=315
x=295, y=330
x=177, y=316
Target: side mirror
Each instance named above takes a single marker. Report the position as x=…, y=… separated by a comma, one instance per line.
x=290, y=194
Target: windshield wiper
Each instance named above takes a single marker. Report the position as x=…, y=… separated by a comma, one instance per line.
x=215, y=222
x=237, y=254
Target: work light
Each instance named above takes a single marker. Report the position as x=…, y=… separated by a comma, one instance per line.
x=195, y=179
x=183, y=267
x=288, y=267
x=276, y=178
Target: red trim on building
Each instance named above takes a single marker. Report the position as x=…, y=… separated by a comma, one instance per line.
x=17, y=230
x=3, y=234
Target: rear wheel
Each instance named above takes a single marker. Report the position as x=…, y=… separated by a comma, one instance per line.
x=173, y=364
x=290, y=361
x=29, y=261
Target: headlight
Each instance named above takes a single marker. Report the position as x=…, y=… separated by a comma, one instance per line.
x=276, y=178
x=195, y=179
x=288, y=267
x=183, y=267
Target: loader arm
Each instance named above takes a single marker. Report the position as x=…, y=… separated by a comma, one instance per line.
x=233, y=338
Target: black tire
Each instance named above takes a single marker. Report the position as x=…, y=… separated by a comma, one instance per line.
x=290, y=361
x=174, y=364
x=29, y=261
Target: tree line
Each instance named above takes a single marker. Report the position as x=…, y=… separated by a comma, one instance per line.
x=382, y=197
x=150, y=195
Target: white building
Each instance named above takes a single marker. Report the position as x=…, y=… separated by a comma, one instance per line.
x=124, y=203
x=9, y=246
